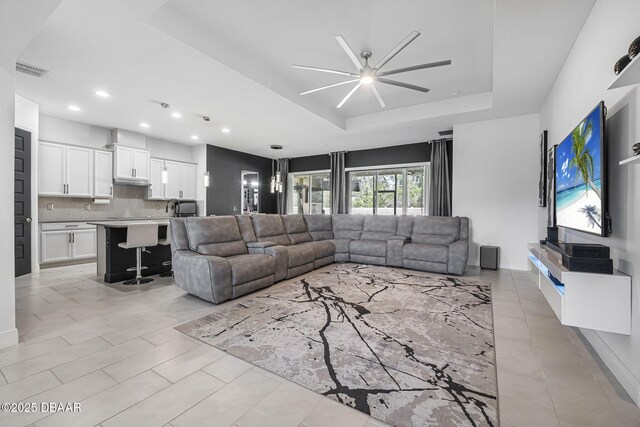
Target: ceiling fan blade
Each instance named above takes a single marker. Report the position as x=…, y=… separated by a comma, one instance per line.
x=396, y=50
x=351, y=92
x=415, y=67
x=401, y=84
x=328, y=86
x=325, y=70
x=377, y=95
x=352, y=56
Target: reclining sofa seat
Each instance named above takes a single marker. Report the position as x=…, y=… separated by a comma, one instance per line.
x=211, y=260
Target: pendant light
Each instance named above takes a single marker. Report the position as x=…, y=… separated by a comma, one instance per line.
x=276, y=175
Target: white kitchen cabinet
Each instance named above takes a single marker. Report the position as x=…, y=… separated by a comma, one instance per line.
x=132, y=165
x=79, y=171
x=65, y=242
x=172, y=187
x=56, y=246
x=187, y=181
x=156, y=189
x=65, y=170
x=181, y=180
x=52, y=175
x=103, y=174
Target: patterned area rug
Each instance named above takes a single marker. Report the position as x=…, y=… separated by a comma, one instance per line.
x=406, y=347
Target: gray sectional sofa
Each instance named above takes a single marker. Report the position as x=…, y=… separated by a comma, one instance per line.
x=223, y=257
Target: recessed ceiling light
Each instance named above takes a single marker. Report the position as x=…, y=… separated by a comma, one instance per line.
x=176, y=115
x=102, y=94
x=144, y=125
x=195, y=137
x=226, y=130
x=73, y=108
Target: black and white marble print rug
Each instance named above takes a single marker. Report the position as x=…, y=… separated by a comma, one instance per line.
x=406, y=347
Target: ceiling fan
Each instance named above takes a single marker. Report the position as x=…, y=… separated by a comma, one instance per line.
x=367, y=74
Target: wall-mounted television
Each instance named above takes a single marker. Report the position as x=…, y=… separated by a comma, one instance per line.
x=581, y=176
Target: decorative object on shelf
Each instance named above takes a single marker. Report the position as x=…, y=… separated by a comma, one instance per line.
x=636, y=149
x=621, y=64
x=551, y=186
x=276, y=175
x=634, y=48
x=542, y=182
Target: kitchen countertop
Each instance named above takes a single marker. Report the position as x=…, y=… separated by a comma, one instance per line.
x=106, y=219
x=126, y=223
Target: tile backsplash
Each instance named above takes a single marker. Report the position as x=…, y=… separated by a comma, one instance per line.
x=127, y=201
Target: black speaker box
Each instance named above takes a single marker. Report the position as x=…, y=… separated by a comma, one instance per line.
x=489, y=257
x=587, y=250
x=587, y=265
x=552, y=234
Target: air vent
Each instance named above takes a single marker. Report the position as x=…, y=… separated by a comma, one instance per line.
x=447, y=132
x=21, y=67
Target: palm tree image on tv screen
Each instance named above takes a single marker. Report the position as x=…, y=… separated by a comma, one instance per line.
x=579, y=176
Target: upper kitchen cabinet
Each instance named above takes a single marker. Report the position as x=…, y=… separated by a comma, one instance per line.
x=103, y=174
x=65, y=170
x=180, y=180
x=132, y=165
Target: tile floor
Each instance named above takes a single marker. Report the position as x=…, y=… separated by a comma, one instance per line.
x=114, y=350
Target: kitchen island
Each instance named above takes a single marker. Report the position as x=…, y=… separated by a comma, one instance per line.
x=113, y=261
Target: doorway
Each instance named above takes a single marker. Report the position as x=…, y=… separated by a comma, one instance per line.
x=22, y=202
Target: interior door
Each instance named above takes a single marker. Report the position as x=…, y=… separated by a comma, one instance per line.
x=103, y=172
x=79, y=171
x=22, y=202
x=51, y=180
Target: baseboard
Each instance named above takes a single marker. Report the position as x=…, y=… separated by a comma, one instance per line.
x=8, y=338
x=626, y=379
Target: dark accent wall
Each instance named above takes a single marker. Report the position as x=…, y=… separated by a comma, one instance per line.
x=408, y=153
x=225, y=167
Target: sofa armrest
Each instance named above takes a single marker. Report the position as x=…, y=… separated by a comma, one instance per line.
x=458, y=254
x=395, y=245
x=281, y=254
x=208, y=277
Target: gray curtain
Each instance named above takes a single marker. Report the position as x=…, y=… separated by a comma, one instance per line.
x=337, y=183
x=283, y=167
x=440, y=186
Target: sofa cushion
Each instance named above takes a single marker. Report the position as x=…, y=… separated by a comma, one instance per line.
x=425, y=252
x=245, y=268
x=347, y=226
x=342, y=245
x=322, y=249
x=379, y=227
x=300, y=255
x=405, y=225
x=435, y=230
x=246, y=228
x=376, y=248
x=319, y=226
x=215, y=235
x=296, y=229
x=269, y=228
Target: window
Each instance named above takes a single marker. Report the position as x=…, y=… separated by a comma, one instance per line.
x=309, y=193
x=393, y=191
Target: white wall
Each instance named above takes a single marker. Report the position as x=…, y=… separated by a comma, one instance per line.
x=580, y=85
x=27, y=118
x=495, y=184
x=8, y=332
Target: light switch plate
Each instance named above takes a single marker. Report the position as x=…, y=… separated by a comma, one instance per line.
x=87, y=207
x=49, y=206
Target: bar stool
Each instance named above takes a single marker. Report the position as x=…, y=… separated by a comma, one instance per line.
x=139, y=237
x=166, y=242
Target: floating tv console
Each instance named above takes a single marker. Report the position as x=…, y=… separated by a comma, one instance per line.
x=584, y=300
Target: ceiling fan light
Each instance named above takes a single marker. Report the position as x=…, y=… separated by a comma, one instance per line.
x=366, y=80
